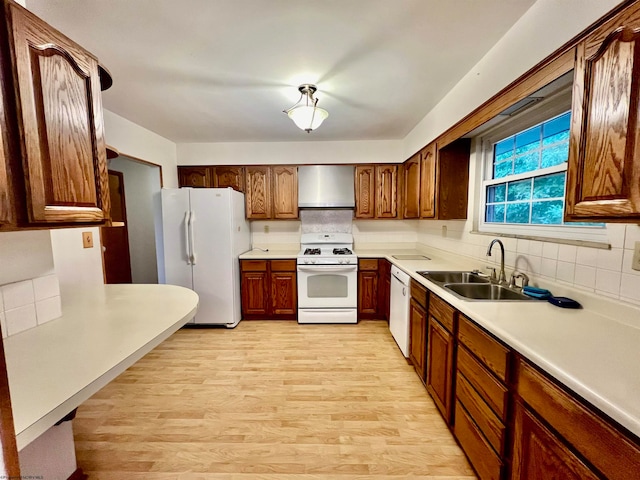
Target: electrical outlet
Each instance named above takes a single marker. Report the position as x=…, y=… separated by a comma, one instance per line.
x=87, y=239
x=635, y=264
x=266, y=229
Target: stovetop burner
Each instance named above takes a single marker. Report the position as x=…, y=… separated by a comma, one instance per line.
x=312, y=251
x=342, y=251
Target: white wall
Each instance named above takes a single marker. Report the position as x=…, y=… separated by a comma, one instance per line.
x=256, y=153
x=75, y=265
x=132, y=139
x=25, y=255
x=141, y=186
x=545, y=27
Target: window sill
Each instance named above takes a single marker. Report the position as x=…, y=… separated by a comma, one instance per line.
x=564, y=241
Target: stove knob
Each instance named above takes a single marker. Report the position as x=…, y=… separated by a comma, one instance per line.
x=306, y=261
x=313, y=261
x=340, y=261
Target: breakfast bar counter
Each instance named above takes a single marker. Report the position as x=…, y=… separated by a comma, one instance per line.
x=103, y=330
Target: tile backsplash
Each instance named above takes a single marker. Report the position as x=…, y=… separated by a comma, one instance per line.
x=29, y=303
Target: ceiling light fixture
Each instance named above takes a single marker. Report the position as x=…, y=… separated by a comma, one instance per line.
x=305, y=113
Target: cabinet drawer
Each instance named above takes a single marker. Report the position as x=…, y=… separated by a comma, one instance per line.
x=368, y=264
x=486, y=420
x=253, y=265
x=482, y=457
x=444, y=312
x=489, y=387
x=283, y=265
x=493, y=354
x=615, y=455
x=419, y=293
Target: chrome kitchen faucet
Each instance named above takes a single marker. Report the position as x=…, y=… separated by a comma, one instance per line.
x=502, y=277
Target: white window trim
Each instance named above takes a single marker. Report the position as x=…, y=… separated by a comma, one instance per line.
x=553, y=106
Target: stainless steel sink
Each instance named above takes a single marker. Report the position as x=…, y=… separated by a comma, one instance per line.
x=454, y=277
x=486, y=291
x=472, y=286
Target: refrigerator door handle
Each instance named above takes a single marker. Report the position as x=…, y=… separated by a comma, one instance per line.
x=187, y=242
x=192, y=248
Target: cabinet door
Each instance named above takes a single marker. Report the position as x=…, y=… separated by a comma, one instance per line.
x=60, y=110
x=254, y=294
x=195, y=177
x=285, y=192
x=386, y=191
x=428, y=181
x=7, y=207
x=538, y=453
x=603, y=173
x=258, y=192
x=452, y=180
x=368, y=294
x=365, y=191
x=411, y=187
x=418, y=335
x=440, y=367
x=224, y=177
x=283, y=294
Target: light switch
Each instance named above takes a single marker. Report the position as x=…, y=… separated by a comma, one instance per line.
x=87, y=239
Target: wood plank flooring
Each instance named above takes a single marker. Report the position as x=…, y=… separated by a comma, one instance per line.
x=268, y=400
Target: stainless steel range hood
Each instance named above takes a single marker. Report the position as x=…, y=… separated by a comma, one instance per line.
x=326, y=186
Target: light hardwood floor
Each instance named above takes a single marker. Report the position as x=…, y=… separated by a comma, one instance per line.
x=268, y=400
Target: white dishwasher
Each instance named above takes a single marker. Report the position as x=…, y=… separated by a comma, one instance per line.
x=399, y=310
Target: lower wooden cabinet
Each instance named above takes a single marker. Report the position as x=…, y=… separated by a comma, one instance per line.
x=374, y=288
x=268, y=289
x=440, y=354
x=538, y=453
x=418, y=329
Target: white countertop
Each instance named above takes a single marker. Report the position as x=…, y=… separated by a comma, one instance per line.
x=594, y=354
x=55, y=367
x=257, y=254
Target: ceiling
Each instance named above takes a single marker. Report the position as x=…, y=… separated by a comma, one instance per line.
x=223, y=70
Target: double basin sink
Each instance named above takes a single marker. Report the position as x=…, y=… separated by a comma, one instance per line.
x=473, y=286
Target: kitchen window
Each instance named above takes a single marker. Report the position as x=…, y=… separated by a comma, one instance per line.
x=524, y=175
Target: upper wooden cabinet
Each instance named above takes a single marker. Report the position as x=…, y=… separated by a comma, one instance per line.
x=258, y=192
x=436, y=182
x=285, y=192
x=428, y=181
x=411, y=187
x=195, y=177
x=225, y=177
x=52, y=118
x=603, y=173
x=376, y=190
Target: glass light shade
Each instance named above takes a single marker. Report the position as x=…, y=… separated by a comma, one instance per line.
x=302, y=116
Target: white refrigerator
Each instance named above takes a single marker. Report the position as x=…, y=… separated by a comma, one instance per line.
x=204, y=231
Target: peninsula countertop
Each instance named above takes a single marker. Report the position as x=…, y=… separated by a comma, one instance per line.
x=103, y=330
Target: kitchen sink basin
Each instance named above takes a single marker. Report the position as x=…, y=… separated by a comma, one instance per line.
x=486, y=291
x=454, y=277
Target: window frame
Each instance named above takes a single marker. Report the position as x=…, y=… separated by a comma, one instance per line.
x=542, y=111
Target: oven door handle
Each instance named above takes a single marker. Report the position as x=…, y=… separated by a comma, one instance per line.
x=327, y=268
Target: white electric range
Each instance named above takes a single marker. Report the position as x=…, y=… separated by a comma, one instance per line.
x=327, y=279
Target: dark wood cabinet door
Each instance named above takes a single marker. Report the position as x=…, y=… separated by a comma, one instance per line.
x=384, y=288
x=368, y=294
x=285, y=192
x=365, y=191
x=603, y=172
x=417, y=338
x=284, y=294
x=386, y=191
x=224, y=177
x=411, y=187
x=255, y=294
x=258, y=192
x=452, y=180
x=7, y=207
x=428, y=181
x=440, y=367
x=538, y=453
x=60, y=114
x=195, y=177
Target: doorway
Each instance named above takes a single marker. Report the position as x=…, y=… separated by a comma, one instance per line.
x=141, y=183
